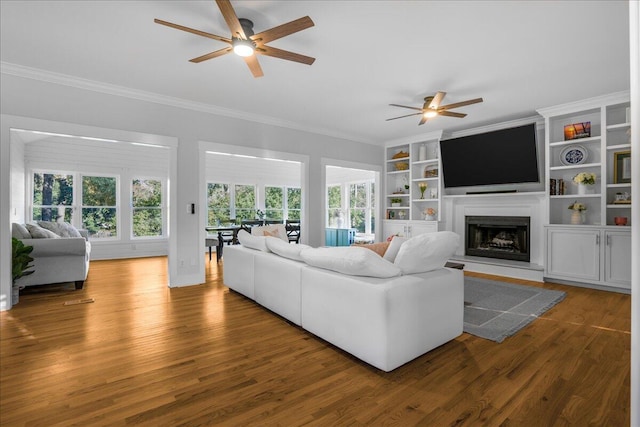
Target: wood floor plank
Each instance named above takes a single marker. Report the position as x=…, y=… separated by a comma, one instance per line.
x=144, y=354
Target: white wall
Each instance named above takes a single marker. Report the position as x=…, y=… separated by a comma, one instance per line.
x=67, y=105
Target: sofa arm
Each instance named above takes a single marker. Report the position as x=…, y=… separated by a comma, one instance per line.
x=84, y=233
x=57, y=247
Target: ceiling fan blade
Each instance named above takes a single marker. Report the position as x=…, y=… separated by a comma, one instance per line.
x=423, y=120
x=283, y=30
x=285, y=54
x=231, y=19
x=254, y=66
x=460, y=104
x=211, y=55
x=191, y=30
x=435, y=102
x=451, y=114
x=405, y=106
x=402, y=117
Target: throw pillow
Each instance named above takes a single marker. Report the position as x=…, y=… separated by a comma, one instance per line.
x=275, y=230
x=38, y=232
x=427, y=252
x=394, y=247
x=62, y=229
x=253, y=242
x=379, y=248
x=19, y=231
x=284, y=249
x=350, y=260
x=273, y=233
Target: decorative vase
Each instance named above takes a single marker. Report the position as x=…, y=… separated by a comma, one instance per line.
x=577, y=217
x=582, y=189
x=422, y=153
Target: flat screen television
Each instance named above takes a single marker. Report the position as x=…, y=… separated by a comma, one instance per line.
x=505, y=156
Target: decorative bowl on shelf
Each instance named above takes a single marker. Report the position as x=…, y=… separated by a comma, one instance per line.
x=431, y=171
x=402, y=166
x=400, y=154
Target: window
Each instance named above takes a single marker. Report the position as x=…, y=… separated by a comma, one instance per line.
x=334, y=203
x=358, y=206
x=147, y=211
x=362, y=206
x=219, y=204
x=274, y=202
x=99, y=206
x=52, y=196
x=294, y=203
x=245, y=202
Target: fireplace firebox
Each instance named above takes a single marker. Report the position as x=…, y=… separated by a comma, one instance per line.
x=504, y=237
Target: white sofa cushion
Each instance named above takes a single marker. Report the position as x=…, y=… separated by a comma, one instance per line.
x=426, y=252
x=285, y=249
x=394, y=247
x=275, y=230
x=350, y=260
x=19, y=231
x=38, y=232
x=253, y=242
x=62, y=229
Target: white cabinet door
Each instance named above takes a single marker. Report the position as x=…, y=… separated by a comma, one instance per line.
x=573, y=254
x=407, y=228
x=421, y=227
x=391, y=227
x=618, y=258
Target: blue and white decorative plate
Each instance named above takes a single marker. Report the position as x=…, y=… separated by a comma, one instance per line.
x=574, y=155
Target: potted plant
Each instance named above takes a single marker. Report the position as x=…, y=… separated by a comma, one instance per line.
x=20, y=265
x=583, y=179
x=395, y=202
x=578, y=212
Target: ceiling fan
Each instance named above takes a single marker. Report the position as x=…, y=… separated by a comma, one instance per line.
x=432, y=108
x=245, y=43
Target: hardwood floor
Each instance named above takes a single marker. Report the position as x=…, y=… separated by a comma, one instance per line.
x=203, y=355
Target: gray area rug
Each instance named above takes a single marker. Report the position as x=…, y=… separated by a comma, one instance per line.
x=497, y=310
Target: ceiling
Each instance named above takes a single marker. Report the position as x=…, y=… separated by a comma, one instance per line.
x=517, y=55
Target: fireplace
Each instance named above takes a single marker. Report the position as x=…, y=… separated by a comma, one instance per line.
x=504, y=237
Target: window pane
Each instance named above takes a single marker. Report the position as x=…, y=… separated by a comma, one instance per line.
x=146, y=198
x=357, y=220
x=334, y=196
x=245, y=202
x=294, y=203
x=99, y=214
x=358, y=195
x=147, y=222
x=51, y=193
x=146, y=192
x=100, y=222
x=274, y=202
x=98, y=191
x=218, y=203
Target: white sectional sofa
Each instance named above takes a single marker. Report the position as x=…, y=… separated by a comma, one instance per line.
x=385, y=322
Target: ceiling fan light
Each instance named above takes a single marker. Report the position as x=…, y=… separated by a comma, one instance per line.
x=243, y=47
x=429, y=114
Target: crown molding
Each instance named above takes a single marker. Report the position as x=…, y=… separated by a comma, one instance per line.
x=585, y=104
x=125, y=92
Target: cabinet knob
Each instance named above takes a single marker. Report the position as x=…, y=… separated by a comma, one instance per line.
x=597, y=239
